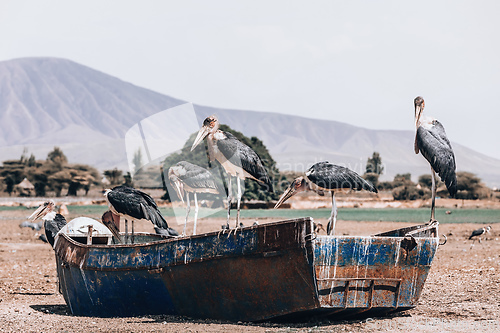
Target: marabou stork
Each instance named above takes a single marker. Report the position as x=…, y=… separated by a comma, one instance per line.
x=134, y=205
x=190, y=178
x=431, y=141
x=112, y=222
x=480, y=232
x=324, y=176
x=237, y=159
x=53, y=222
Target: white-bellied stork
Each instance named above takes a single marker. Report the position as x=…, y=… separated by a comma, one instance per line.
x=432, y=142
x=237, y=159
x=53, y=221
x=324, y=176
x=190, y=178
x=134, y=205
x=480, y=232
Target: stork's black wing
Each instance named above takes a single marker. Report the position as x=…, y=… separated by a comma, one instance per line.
x=436, y=148
x=477, y=232
x=330, y=176
x=243, y=156
x=198, y=177
x=137, y=204
x=52, y=227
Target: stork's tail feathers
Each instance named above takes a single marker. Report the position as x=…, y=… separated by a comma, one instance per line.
x=369, y=187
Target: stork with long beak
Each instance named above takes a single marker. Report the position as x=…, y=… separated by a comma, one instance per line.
x=237, y=159
x=134, y=205
x=324, y=176
x=53, y=221
x=432, y=142
x=190, y=178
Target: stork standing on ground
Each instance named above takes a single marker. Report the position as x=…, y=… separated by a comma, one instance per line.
x=324, y=176
x=190, y=178
x=237, y=159
x=432, y=142
x=480, y=232
x=134, y=205
x=53, y=221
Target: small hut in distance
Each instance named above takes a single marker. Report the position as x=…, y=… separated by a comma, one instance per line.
x=24, y=188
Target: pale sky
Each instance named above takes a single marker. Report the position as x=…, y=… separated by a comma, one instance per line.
x=359, y=62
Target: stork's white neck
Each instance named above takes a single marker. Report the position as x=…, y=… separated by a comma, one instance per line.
x=49, y=216
x=219, y=135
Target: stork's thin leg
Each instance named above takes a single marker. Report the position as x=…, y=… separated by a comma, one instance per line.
x=433, y=174
x=228, y=200
x=330, y=228
x=239, y=202
x=188, y=209
x=133, y=233
x=126, y=231
x=195, y=213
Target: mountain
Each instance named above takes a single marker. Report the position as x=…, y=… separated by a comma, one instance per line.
x=47, y=102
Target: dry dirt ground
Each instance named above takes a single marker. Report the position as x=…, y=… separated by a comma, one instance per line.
x=462, y=292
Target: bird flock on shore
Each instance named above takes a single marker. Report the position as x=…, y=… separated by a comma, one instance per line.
x=241, y=162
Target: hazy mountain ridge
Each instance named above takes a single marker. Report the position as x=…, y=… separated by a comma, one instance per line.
x=48, y=101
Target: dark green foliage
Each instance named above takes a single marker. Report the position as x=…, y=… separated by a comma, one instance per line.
x=113, y=176
x=470, y=187
x=405, y=189
x=9, y=182
x=372, y=178
x=374, y=164
x=53, y=174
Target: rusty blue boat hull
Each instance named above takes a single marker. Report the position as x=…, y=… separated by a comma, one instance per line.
x=275, y=270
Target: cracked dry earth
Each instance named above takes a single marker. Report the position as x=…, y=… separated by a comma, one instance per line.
x=461, y=294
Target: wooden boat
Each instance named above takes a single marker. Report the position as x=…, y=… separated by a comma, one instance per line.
x=279, y=270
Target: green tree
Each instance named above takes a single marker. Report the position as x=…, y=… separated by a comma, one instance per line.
x=9, y=182
x=113, y=176
x=374, y=164
x=57, y=157
x=469, y=186
x=372, y=178
x=137, y=160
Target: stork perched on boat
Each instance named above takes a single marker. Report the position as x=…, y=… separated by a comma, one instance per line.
x=237, y=159
x=134, y=205
x=112, y=222
x=324, y=176
x=53, y=221
x=190, y=178
x=432, y=142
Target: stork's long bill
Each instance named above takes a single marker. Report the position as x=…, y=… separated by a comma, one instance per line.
x=43, y=210
x=419, y=109
x=202, y=133
x=178, y=186
x=298, y=185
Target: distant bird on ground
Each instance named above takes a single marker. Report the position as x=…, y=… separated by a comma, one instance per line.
x=318, y=227
x=237, y=159
x=324, y=176
x=480, y=232
x=190, y=178
x=134, y=205
x=53, y=222
x=33, y=225
x=432, y=142
x=112, y=222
